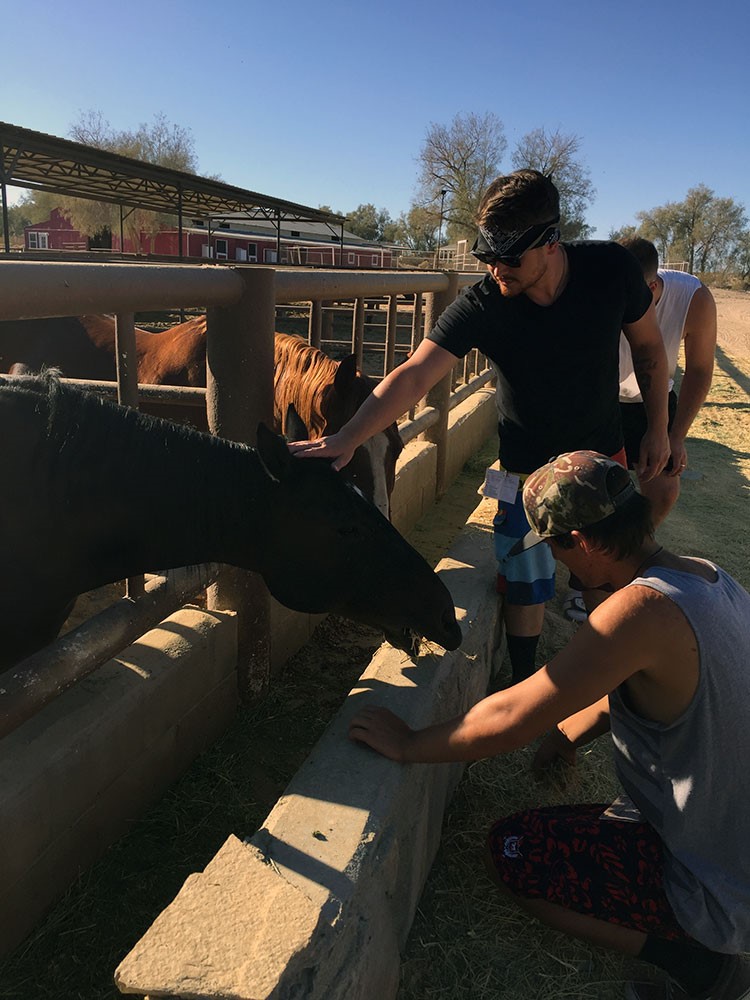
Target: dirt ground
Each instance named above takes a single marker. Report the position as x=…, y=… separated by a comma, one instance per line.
x=733, y=318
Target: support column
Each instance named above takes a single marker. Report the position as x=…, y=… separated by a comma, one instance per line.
x=239, y=394
x=6, y=223
x=315, y=327
x=439, y=395
x=126, y=358
x=391, y=332
x=358, y=331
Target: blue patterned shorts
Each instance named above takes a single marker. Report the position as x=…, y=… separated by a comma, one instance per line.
x=529, y=577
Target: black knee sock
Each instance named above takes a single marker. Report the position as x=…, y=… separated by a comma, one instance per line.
x=692, y=966
x=522, y=653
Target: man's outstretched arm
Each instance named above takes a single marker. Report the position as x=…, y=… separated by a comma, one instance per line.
x=397, y=393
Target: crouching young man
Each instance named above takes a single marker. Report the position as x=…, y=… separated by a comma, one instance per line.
x=662, y=664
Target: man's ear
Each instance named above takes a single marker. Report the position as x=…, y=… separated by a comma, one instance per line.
x=582, y=542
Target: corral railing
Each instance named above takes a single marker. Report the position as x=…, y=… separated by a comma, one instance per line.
x=241, y=307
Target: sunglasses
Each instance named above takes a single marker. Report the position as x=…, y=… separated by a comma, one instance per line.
x=529, y=240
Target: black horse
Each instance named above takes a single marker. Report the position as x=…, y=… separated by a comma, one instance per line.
x=92, y=493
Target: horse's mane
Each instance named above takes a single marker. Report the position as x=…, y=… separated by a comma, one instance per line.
x=304, y=376
x=90, y=419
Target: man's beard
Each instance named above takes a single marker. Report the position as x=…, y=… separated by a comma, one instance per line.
x=511, y=287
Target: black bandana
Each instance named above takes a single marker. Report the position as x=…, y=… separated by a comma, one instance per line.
x=493, y=243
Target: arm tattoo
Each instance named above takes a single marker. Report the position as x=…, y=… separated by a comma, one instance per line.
x=643, y=366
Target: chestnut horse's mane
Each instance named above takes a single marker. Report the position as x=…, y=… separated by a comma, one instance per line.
x=304, y=376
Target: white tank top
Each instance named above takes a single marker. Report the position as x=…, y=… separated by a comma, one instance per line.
x=690, y=779
x=671, y=312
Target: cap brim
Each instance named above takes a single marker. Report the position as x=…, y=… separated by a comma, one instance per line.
x=529, y=540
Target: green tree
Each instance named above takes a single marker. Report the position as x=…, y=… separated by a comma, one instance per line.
x=703, y=229
x=416, y=229
x=34, y=206
x=742, y=259
x=21, y=215
x=368, y=222
x=159, y=142
x=460, y=158
x=556, y=155
x=623, y=233
x=661, y=225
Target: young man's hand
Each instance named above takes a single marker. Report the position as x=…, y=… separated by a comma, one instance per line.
x=383, y=731
x=554, y=749
x=334, y=447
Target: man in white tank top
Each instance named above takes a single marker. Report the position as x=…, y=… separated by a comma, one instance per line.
x=685, y=310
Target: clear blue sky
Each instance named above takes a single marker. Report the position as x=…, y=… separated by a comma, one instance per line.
x=328, y=102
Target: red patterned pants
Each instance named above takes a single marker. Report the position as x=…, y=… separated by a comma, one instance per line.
x=610, y=869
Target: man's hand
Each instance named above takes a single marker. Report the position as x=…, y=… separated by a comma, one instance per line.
x=654, y=455
x=554, y=748
x=333, y=447
x=679, y=456
x=381, y=730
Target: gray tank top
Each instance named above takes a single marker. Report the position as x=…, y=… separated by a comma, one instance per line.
x=691, y=779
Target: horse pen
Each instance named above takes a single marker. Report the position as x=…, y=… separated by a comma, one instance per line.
x=91, y=755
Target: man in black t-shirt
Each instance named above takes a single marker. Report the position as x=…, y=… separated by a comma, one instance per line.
x=549, y=317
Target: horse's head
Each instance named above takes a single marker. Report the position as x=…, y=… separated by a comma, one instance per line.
x=345, y=556
x=372, y=468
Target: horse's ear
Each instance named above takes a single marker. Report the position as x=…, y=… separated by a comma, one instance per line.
x=346, y=372
x=273, y=453
x=294, y=425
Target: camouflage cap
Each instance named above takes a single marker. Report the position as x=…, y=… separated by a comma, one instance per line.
x=571, y=492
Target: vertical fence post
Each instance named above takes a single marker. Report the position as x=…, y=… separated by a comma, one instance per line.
x=239, y=394
x=326, y=323
x=126, y=362
x=315, y=328
x=439, y=395
x=417, y=332
x=6, y=224
x=391, y=332
x=358, y=331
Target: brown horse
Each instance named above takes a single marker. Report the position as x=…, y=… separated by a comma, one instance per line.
x=84, y=347
x=325, y=393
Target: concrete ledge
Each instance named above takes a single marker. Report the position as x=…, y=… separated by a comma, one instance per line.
x=73, y=778
x=320, y=901
x=470, y=424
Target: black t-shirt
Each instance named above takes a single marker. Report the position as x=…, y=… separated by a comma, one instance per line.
x=558, y=365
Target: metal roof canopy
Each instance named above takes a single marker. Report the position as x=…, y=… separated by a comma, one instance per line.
x=47, y=163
